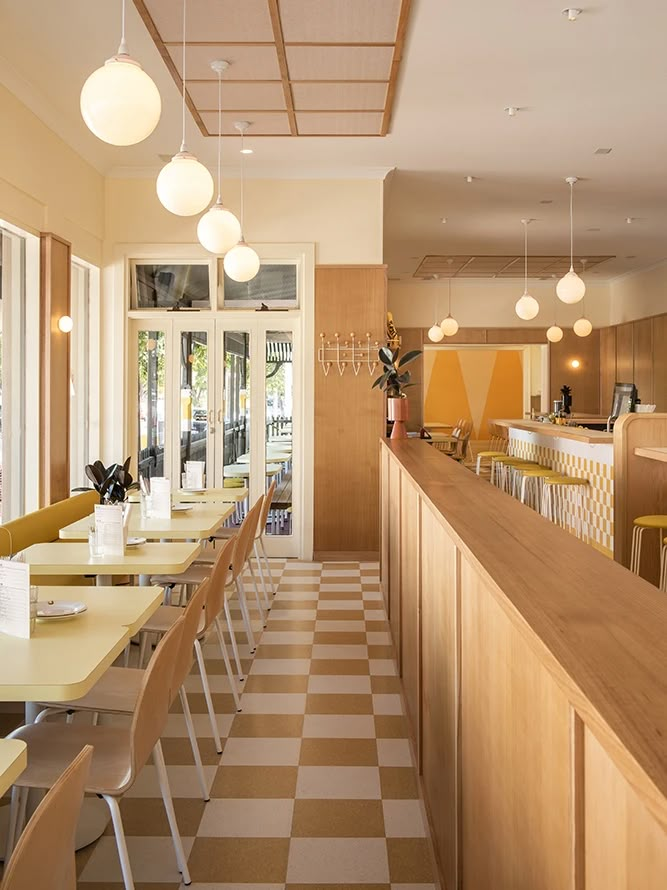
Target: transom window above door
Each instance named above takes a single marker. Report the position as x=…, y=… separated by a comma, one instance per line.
x=173, y=285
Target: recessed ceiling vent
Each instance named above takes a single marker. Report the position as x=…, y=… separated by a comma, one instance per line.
x=602, y=151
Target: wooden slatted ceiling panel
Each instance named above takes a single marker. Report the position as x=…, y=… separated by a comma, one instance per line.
x=298, y=67
x=506, y=266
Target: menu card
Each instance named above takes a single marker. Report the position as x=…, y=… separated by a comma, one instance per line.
x=194, y=474
x=15, y=598
x=160, y=498
x=109, y=529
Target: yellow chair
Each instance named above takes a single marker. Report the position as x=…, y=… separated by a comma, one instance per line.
x=532, y=484
x=642, y=524
x=563, y=503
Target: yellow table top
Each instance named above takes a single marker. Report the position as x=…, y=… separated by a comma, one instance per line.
x=73, y=558
x=64, y=659
x=210, y=495
x=13, y=760
x=199, y=522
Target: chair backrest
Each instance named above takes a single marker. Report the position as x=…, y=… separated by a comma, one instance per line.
x=44, y=855
x=192, y=615
x=155, y=696
x=266, y=506
x=245, y=538
x=218, y=580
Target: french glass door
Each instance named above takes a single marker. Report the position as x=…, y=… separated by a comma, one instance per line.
x=225, y=391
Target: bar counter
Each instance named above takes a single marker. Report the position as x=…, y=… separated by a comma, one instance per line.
x=573, y=451
x=533, y=671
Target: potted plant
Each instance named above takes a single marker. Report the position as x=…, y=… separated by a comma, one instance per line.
x=394, y=381
x=111, y=483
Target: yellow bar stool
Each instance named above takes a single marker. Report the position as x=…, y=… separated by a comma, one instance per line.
x=564, y=502
x=663, y=566
x=515, y=475
x=532, y=485
x=483, y=457
x=643, y=524
x=498, y=468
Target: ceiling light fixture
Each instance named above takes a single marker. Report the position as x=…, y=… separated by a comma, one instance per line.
x=582, y=326
x=571, y=288
x=219, y=230
x=449, y=325
x=572, y=13
x=554, y=334
x=511, y=110
x=184, y=185
x=629, y=220
x=119, y=102
x=470, y=178
x=242, y=263
x=443, y=219
x=526, y=306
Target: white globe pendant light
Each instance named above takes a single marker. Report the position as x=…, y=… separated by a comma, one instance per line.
x=526, y=307
x=582, y=327
x=435, y=332
x=554, y=334
x=571, y=289
x=184, y=185
x=119, y=102
x=219, y=230
x=242, y=263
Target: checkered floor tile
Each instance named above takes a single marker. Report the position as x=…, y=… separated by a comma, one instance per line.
x=316, y=785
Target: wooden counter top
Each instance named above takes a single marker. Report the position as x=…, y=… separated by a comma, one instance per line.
x=590, y=437
x=599, y=630
x=652, y=453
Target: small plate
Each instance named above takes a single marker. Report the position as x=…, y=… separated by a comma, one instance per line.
x=52, y=610
x=135, y=542
x=181, y=508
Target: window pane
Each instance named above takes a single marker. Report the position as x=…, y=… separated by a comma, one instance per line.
x=152, y=395
x=274, y=285
x=279, y=390
x=194, y=400
x=171, y=287
x=236, y=395
x=80, y=376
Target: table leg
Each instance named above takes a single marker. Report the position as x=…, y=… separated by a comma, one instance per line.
x=104, y=580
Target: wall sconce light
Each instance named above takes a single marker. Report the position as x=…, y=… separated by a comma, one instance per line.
x=575, y=363
x=65, y=324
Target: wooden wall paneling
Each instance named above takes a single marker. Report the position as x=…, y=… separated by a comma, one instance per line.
x=55, y=281
x=411, y=338
x=520, y=336
x=625, y=847
x=607, y=368
x=625, y=371
x=640, y=486
x=642, y=351
x=410, y=543
x=516, y=743
x=395, y=556
x=660, y=362
x=349, y=416
x=440, y=692
x=584, y=380
x=385, y=522
x=466, y=335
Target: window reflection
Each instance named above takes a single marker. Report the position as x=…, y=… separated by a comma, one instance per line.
x=152, y=396
x=236, y=447
x=195, y=420
x=278, y=438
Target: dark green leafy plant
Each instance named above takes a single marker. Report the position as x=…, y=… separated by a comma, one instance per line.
x=111, y=483
x=393, y=380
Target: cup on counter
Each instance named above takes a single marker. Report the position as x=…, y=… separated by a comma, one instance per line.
x=144, y=505
x=94, y=547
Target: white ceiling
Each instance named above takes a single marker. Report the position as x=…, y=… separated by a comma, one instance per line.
x=597, y=82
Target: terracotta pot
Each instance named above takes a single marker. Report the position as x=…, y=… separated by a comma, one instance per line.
x=398, y=410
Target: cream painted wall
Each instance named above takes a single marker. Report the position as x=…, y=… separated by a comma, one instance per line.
x=343, y=218
x=639, y=295
x=45, y=186
x=490, y=303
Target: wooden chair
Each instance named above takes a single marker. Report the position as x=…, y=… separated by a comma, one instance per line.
x=216, y=579
x=119, y=753
x=44, y=855
x=117, y=691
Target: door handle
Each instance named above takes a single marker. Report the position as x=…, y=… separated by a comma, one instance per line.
x=211, y=417
x=220, y=416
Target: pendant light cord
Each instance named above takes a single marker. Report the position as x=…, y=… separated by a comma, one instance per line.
x=449, y=298
x=122, y=49
x=525, y=257
x=219, y=137
x=571, y=228
x=183, y=148
x=242, y=220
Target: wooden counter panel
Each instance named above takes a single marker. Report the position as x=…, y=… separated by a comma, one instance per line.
x=515, y=743
x=535, y=643
x=440, y=690
x=411, y=604
x=385, y=519
x=394, y=543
